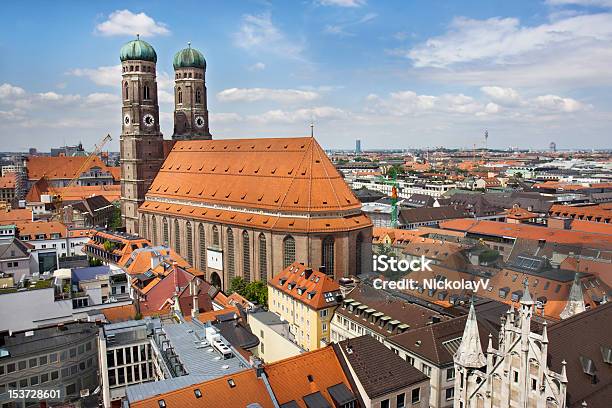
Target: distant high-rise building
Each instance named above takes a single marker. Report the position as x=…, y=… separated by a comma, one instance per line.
x=357, y=146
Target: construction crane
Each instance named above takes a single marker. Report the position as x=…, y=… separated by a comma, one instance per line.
x=96, y=151
x=90, y=158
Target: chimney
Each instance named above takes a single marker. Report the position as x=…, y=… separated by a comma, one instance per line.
x=194, y=291
x=307, y=273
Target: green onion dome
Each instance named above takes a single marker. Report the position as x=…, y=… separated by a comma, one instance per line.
x=189, y=58
x=138, y=50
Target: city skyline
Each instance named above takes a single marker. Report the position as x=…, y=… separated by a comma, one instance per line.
x=392, y=75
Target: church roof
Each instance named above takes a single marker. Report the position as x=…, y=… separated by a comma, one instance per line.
x=62, y=167
x=269, y=176
x=189, y=58
x=138, y=50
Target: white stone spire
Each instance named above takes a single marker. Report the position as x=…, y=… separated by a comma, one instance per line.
x=469, y=354
x=575, y=302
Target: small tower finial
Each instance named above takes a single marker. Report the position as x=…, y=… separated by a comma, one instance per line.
x=138, y=36
x=311, y=128
x=189, y=44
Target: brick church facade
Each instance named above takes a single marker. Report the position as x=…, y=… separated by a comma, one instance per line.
x=233, y=207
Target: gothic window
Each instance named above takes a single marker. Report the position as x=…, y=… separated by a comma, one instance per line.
x=189, y=243
x=126, y=92
x=190, y=75
x=177, y=237
x=216, y=236
x=231, y=264
x=154, y=230
x=198, y=96
x=263, y=258
x=166, y=237
x=202, y=236
x=359, y=244
x=180, y=95
x=246, y=257
x=146, y=92
x=288, y=251
x=328, y=255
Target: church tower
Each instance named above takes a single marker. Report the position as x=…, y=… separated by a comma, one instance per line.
x=141, y=139
x=190, y=105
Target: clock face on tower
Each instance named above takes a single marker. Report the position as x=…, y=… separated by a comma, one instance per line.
x=148, y=120
x=199, y=121
x=126, y=119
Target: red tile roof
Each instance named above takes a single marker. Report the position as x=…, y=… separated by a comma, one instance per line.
x=13, y=216
x=8, y=180
x=587, y=213
x=61, y=167
x=318, y=283
x=502, y=229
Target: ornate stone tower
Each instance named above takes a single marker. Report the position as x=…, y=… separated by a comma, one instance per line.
x=190, y=106
x=141, y=140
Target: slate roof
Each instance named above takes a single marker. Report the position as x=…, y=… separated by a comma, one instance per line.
x=377, y=368
x=430, y=214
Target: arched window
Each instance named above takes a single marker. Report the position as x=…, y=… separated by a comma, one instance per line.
x=189, y=231
x=180, y=95
x=126, y=92
x=177, y=237
x=202, y=238
x=288, y=251
x=328, y=255
x=166, y=237
x=263, y=258
x=246, y=257
x=358, y=260
x=198, y=96
x=153, y=230
x=231, y=263
x=216, y=240
x=146, y=92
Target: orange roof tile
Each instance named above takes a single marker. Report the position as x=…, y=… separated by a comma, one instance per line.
x=8, y=180
x=60, y=167
x=13, y=216
x=119, y=313
x=279, y=174
x=111, y=192
x=289, y=378
x=32, y=229
x=502, y=229
x=318, y=283
x=594, y=227
x=588, y=213
x=40, y=187
x=216, y=393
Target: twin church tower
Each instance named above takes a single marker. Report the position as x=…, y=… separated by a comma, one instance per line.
x=142, y=145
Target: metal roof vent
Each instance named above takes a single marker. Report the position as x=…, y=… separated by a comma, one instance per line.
x=588, y=367
x=606, y=353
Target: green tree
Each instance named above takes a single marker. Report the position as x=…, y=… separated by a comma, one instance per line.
x=115, y=219
x=237, y=285
x=257, y=291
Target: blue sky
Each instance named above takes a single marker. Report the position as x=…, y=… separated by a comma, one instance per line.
x=391, y=73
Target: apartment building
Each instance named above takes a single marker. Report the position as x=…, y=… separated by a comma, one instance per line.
x=306, y=299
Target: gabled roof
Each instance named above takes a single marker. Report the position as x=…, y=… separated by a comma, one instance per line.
x=231, y=391
x=296, y=377
x=40, y=187
x=317, y=290
x=111, y=192
x=278, y=174
x=12, y=249
x=430, y=214
x=60, y=167
x=379, y=370
x=32, y=229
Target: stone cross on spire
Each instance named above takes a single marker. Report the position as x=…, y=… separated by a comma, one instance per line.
x=469, y=354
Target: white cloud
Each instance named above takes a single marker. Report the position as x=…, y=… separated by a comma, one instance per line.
x=258, y=94
x=502, y=96
x=559, y=104
x=505, y=51
x=100, y=98
x=258, y=66
x=124, y=22
x=258, y=34
x=341, y=29
x=8, y=91
x=225, y=117
x=584, y=3
x=342, y=3
x=304, y=115
x=105, y=76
